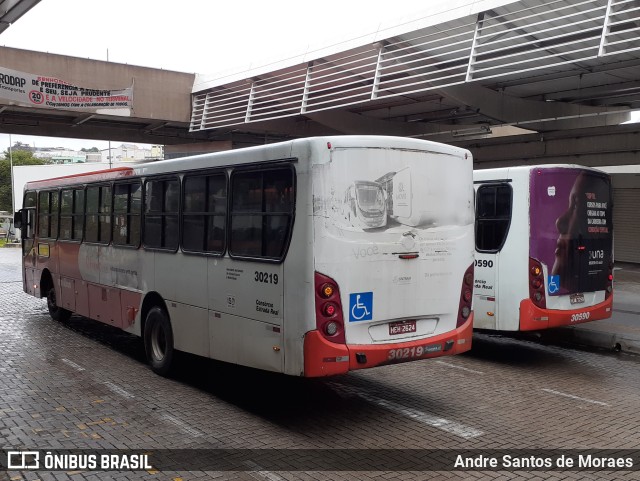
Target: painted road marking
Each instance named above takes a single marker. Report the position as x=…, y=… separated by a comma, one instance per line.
x=182, y=425
x=452, y=427
x=459, y=367
x=578, y=398
x=75, y=366
x=118, y=390
x=257, y=470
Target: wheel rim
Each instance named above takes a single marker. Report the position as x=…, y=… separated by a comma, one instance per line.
x=158, y=343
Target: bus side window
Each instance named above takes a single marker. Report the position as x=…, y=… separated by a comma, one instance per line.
x=66, y=214
x=77, y=214
x=261, y=213
x=29, y=204
x=98, y=214
x=204, y=213
x=48, y=214
x=127, y=206
x=161, y=210
x=493, y=216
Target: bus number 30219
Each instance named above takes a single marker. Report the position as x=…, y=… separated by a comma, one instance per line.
x=266, y=277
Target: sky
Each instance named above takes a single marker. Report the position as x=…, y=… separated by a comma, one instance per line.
x=198, y=36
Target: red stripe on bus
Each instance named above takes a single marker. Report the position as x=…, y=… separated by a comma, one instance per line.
x=320, y=354
x=95, y=176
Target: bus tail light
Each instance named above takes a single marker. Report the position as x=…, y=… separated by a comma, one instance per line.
x=466, y=296
x=329, y=317
x=536, y=283
x=609, y=290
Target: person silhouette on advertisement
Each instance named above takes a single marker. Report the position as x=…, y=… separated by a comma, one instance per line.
x=574, y=237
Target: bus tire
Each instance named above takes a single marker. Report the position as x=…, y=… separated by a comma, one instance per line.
x=158, y=341
x=56, y=312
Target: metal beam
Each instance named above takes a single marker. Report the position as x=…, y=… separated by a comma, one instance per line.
x=600, y=146
x=12, y=10
x=533, y=114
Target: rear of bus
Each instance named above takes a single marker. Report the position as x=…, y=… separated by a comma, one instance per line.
x=400, y=288
x=570, y=248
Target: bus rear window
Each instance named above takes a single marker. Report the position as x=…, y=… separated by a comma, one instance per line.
x=261, y=213
x=493, y=216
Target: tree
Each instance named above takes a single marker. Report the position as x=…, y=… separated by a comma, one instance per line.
x=20, y=157
x=92, y=149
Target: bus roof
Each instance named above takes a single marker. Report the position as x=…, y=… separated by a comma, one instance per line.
x=503, y=172
x=264, y=153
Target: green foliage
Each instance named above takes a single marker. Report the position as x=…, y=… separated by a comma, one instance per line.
x=20, y=157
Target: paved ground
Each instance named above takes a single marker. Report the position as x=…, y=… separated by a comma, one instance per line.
x=82, y=385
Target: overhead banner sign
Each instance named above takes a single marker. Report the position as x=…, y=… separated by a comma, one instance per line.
x=31, y=90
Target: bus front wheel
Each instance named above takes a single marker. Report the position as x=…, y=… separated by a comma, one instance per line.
x=158, y=341
x=56, y=312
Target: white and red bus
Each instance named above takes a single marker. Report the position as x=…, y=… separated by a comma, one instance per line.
x=246, y=257
x=544, y=247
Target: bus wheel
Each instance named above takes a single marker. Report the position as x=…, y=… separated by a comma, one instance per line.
x=57, y=313
x=158, y=341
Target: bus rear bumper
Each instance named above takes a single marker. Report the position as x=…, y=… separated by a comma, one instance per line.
x=324, y=358
x=532, y=318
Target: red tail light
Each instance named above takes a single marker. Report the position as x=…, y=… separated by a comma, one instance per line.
x=329, y=318
x=609, y=289
x=536, y=283
x=466, y=295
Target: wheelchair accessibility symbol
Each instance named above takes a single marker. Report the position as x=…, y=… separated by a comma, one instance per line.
x=361, y=306
x=554, y=284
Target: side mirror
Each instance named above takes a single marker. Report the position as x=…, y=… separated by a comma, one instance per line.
x=20, y=219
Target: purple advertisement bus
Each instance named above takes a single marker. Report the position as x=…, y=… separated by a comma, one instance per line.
x=544, y=247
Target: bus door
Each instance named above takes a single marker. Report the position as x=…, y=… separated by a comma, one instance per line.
x=571, y=231
x=493, y=217
x=247, y=289
x=27, y=233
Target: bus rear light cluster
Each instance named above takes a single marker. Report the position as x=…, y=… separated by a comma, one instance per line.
x=466, y=295
x=609, y=290
x=329, y=317
x=329, y=309
x=536, y=283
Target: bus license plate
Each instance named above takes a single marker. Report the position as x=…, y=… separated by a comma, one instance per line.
x=402, y=327
x=576, y=298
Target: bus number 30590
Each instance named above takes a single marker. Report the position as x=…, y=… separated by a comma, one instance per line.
x=266, y=277
x=483, y=263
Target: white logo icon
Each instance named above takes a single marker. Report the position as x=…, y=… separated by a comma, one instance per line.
x=23, y=459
